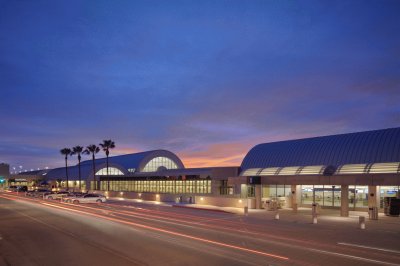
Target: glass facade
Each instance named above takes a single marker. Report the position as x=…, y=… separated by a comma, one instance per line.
x=159, y=186
x=325, y=195
x=73, y=185
x=388, y=192
x=358, y=196
x=158, y=163
x=111, y=171
x=272, y=191
x=330, y=195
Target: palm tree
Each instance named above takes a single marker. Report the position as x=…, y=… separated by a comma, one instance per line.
x=78, y=150
x=66, y=152
x=106, y=146
x=92, y=149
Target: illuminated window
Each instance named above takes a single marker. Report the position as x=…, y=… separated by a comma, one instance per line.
x=159, y=163
x=289, y=170
x=312, y=170
x=380, y=168
x=269, y=171
x=251, y=172
x=111, y=171
x=352, y=169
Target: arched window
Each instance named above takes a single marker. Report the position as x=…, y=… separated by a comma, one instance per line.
x=158, y=164
x=111, y=171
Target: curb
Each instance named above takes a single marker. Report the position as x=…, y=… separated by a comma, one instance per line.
x=202, y=209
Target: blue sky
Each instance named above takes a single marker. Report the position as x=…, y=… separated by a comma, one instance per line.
x=205, y=79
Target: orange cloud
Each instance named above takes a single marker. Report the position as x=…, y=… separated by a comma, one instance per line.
x=225, y=154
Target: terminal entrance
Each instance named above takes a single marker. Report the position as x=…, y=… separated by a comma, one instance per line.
x=327, y=196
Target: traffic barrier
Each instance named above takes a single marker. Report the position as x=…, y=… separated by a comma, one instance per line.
x=277, y=215
x=361, y=221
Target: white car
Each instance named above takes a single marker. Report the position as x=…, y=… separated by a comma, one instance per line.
x=56, y=195
x=87, y=198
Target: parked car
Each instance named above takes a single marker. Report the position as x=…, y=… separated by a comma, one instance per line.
x=40, y=192
x=30, y=193
x=72, y=195
x=22, y=188
x=86, y=198
x=12, y=189
x=56, y=195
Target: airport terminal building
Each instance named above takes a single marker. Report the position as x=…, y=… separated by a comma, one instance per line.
x=352, y=171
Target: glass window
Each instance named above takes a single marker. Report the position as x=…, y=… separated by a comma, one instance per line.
x=111, y=171
x=159, y=163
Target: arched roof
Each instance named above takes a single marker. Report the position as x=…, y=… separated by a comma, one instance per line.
x=73, y=171
x=375, y=146
x=125, y=162
x=137, y=160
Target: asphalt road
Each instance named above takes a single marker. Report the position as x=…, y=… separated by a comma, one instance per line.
x=37, y=232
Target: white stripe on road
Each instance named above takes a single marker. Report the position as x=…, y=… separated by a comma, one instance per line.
x=367, y=247
x=355, y=257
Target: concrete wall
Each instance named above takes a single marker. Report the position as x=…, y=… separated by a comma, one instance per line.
x=185, y=198
x=224, y=201
x=219, y=173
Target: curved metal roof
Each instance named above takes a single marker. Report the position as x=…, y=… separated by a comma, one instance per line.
x=122, y=162
x=137, y=160
x=377, y=146
x=86, y=171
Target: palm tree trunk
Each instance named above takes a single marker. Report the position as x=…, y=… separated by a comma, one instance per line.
x=108, y=180
x=79, y=166
x=94, y=174
x=66, y=171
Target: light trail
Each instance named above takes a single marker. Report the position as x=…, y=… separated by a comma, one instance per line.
x=172, y=233
x=261, y=236
x=368, y=247
x=91, y=211
x=354, y=257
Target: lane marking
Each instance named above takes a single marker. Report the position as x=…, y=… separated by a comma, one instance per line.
x=354, y=257
x=86, y=241
x=214, y=242
x=175, y=233
x=368, y=247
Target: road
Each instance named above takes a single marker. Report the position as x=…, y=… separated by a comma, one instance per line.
x=38, y=232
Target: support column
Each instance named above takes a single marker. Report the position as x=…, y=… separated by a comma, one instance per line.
x=294, y=197
x=344, y=201
x=373, y=197
x=258, y=196
x=373, y=202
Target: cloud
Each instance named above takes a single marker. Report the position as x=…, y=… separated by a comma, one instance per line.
x=203, y=79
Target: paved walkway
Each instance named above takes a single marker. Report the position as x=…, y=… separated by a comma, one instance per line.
x=303, y=215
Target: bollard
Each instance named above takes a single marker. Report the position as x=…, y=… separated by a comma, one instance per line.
x=314, y=213
x=277, y=215
x=246, y=210
x=314, y=220
x=294, y=206
x=361, y=221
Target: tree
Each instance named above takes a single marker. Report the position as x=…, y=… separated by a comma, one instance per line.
x=66, y=152
x=106, y=146
x=77, y=150
x=92, y=149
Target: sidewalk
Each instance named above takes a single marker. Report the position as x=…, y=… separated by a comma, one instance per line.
x=302, y=216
